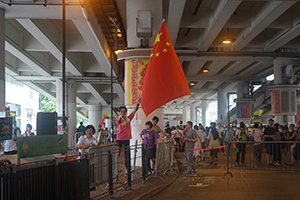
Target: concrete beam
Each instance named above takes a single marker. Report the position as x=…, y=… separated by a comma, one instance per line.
x=176, y=8
x=95, y=93
x=289, y=35
x=48, y=43
x=222, y=13
x=265, y=18
x=25, y=57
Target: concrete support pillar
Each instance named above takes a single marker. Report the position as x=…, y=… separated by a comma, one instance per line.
x=222, y=108
x=24, y=120
x=108, y=123
x=242, y=89
x=135, y=67
x=185, y=116
x=244, y=103
x=277, y=69
x=193, y=113
x=278, y=80
x=2, y=62
x=95, y=115
x=204, y=107
x=71, y=108
x=136, y=61
x=59, y=106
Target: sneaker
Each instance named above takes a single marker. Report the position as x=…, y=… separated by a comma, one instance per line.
x=152, y=171
x=276, y=164
x=215, y=163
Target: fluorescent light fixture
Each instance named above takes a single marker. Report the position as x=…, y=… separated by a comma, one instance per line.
x=118, y=51
x=228, y=41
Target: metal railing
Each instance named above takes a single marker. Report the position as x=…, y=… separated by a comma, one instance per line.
x=52, y=179
x=268, y=155
x=101, y=168
x=108, y=171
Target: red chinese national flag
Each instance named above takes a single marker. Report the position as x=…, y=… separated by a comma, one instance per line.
x=102, y=120
x=164, y=79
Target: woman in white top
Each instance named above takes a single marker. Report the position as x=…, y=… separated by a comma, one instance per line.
x=198, y=144
x=87, y=140
x=10, y=146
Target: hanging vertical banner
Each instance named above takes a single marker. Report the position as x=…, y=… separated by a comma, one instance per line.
x=135, y=71
x=243, y=110
x=6, y=128
x=275, y=98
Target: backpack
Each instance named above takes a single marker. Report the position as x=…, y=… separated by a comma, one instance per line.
x=243, y=136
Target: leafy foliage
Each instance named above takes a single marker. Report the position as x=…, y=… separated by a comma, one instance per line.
x=46, y=104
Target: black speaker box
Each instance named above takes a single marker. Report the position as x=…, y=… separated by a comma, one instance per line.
x=46, y=123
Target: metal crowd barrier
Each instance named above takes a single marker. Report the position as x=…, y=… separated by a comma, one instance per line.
x=268, y=155
x=108, y=172
x=77, y=135
x=52, y=179
x=99, y=165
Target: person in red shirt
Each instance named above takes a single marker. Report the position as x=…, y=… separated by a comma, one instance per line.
x=124, y=130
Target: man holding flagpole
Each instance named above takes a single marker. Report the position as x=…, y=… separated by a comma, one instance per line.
x=124, y=130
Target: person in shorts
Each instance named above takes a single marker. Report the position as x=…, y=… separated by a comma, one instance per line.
x=213, y=140
x=190, y=139
x=149, y=136
x=269, y=134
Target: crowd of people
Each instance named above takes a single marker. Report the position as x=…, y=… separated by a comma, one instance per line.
x=192, y=140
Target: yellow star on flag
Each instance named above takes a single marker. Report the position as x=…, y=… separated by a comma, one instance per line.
x=168, y=43
x=165, y=50
x=157, y=38
x=151, y=54
x=157, y=54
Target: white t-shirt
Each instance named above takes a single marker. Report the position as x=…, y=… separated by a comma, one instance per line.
x=204, y=135
x=256, y=134
x=198, y=144
x=83, y=140
x=10, y=145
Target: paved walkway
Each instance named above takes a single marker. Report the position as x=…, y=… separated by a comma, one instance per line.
x=245, y=184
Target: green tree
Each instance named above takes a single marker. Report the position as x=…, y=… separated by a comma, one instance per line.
x=46, y=104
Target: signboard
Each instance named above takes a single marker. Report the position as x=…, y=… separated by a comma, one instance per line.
x=178, y=118
x=275, y=98
x=243, y=110
x=6, y=128
x=42, y=145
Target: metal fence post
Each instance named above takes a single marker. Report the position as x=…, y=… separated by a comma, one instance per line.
x=110, y=174
x=227, y=152
x=143, y=164
x=129, y=166
x=14, y=185
x=56, y=179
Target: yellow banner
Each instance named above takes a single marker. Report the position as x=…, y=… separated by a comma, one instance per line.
x=135, y=71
